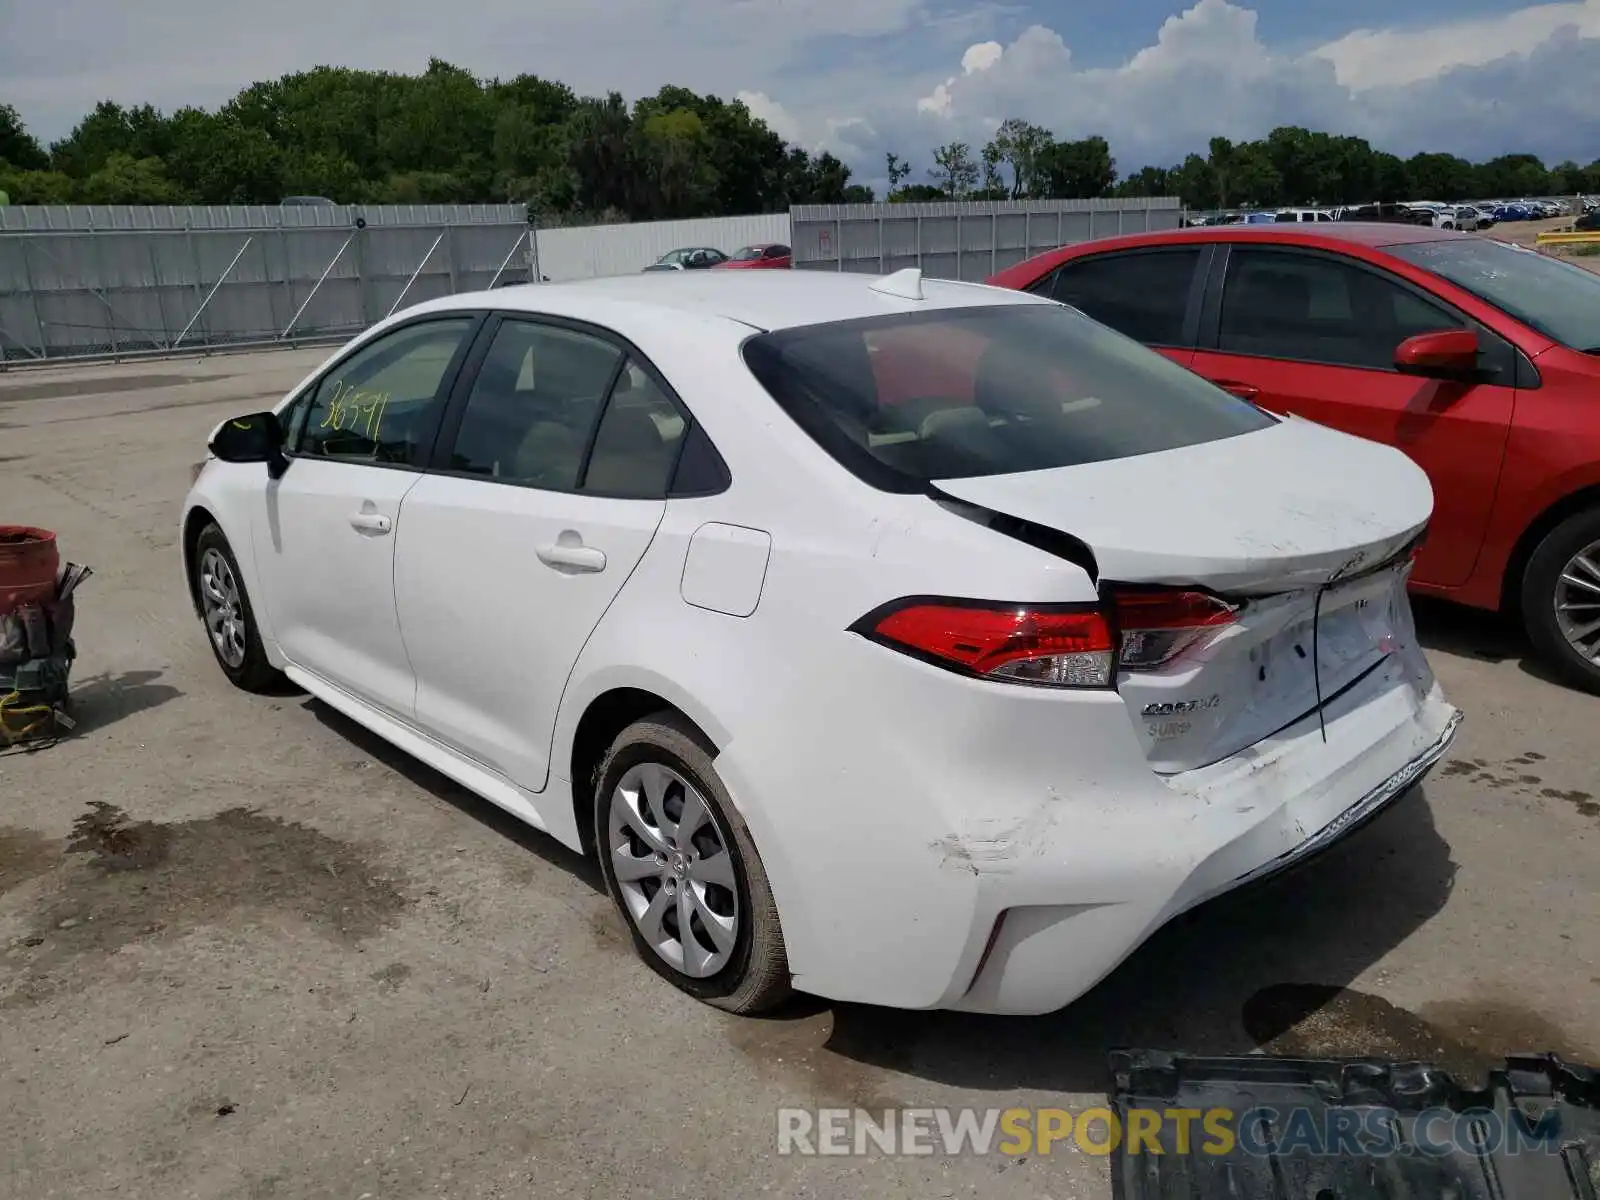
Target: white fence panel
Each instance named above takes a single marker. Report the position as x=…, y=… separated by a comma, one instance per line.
x=588, y=252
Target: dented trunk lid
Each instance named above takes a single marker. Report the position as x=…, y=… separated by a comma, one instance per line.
x=1262, y=512
x=1306, y=530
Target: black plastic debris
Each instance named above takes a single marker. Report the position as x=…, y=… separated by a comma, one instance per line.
x=1351, y=1129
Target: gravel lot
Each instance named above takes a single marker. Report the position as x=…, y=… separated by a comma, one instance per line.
x=248, y=951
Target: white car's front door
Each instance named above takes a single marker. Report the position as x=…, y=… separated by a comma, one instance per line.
x=507, y=560
x=326, y=537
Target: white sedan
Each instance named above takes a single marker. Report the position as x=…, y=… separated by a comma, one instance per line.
x=909, y=642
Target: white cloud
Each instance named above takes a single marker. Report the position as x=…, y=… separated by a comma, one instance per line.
x=1371, y=58
x=1523, y=81
x=981, y=57
x=777, y=117
x=978, y=57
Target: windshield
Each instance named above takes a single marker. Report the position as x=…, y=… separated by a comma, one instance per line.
x=955, y=393
x=1560, y=300
x=748, y=254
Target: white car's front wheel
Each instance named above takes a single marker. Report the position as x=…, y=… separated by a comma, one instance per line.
x=229, y=619
x=681, y=867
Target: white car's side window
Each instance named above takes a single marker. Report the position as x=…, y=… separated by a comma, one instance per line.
x=533, y=404
x=636, y=446
x=378, y=406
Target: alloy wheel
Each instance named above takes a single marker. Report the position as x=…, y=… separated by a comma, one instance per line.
x=224, y=610
x=1578, y=602
x=669, y=855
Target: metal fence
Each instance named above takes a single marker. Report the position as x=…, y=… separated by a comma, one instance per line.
x=968, y=240
x=86, y=282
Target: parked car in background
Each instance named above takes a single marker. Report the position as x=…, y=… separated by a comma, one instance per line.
x=1289, y=216
x=690, y=258
x=1398, y=214
x=836, y=616
x=1479, y=359
x=764, y=256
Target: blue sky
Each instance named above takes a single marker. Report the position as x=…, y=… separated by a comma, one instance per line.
x=862, y=77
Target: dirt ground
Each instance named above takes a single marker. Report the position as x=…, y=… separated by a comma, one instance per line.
x=248, y=951
x=1526, y=233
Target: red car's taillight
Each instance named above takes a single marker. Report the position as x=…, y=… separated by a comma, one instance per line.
x=1076, y=646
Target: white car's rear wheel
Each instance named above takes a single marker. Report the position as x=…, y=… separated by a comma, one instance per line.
x=680, y=865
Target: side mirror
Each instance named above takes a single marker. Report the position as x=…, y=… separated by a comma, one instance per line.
x=1449, y=354
x=257, y=437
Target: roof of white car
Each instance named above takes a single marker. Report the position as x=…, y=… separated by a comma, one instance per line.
x=761, y=299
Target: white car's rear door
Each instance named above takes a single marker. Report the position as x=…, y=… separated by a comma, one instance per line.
x=509, y=556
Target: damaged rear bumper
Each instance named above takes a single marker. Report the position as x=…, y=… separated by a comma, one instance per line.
x=1279, y=804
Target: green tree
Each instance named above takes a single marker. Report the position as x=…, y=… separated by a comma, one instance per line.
x=1245, y=174
x=1441, y=176
x=18, y=147
x=1391, y=180
x=1075, y=170
x=123, y=179
x=218, y=160
x=38, y=187
x=954, y=172
x=1196, y=183
x=1018, y=145
x=676, y=151
x=1148, y=181
x=109, y=129
x=1566, y=177
x=897, y=170
x=602, y=155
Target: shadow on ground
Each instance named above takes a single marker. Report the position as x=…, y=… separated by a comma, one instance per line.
x=452, y=793
x=103, y=700
x=1473, y=633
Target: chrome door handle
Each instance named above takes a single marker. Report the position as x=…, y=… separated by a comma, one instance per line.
x=572, y=558
x=367, y=522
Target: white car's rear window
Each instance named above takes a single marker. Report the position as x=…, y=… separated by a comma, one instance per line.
x=964, y=392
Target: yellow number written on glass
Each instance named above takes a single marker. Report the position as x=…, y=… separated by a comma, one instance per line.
x=351, y=410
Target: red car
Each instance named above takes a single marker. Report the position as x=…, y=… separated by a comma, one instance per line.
x=765, y=256
x=1479, y=359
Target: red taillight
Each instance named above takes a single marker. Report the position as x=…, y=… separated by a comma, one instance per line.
x=1051, y=645
x=1054, y=646
x=1158, y=626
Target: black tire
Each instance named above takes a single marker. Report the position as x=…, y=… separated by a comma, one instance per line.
x=254, y=673
x=1539, y=583
x=756, y=977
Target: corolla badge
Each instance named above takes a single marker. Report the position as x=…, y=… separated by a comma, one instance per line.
x=1168, y=707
